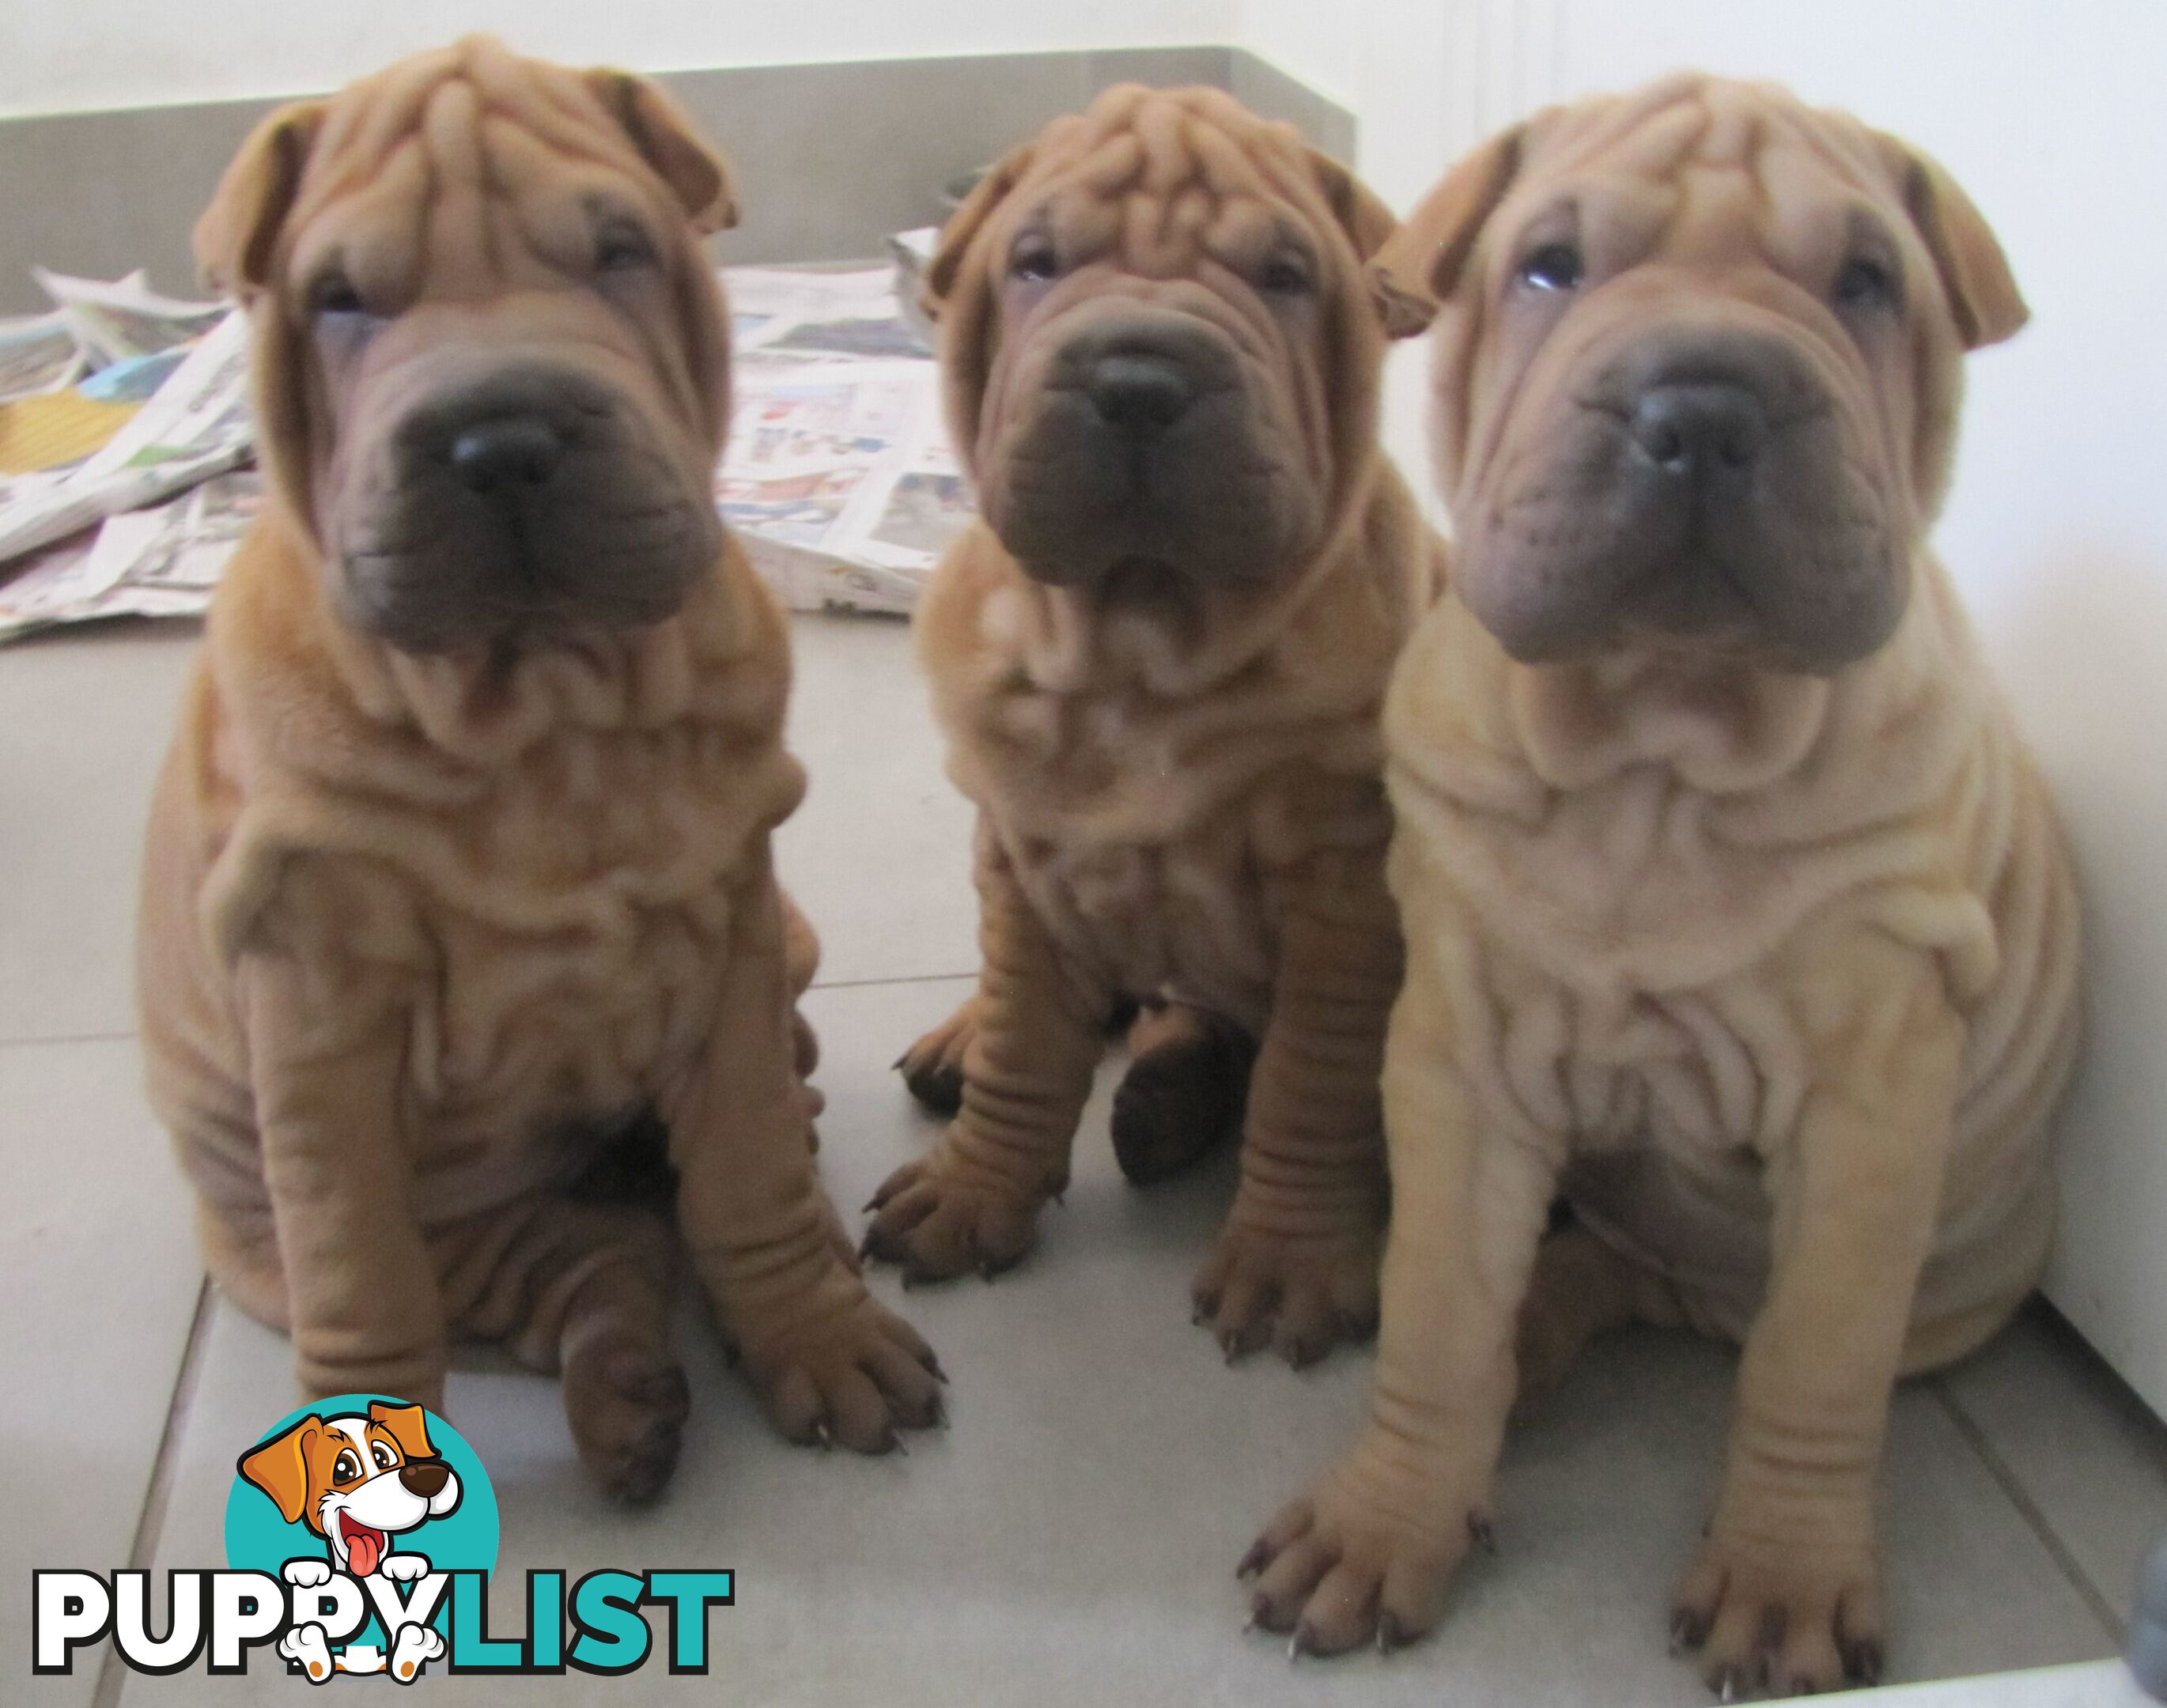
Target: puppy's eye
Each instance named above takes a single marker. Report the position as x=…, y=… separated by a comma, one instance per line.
x=1033, y=260
x=385, y=1457
x=347, y=1467
x=1553, y=267
x=1864, y=284
x=1284, y=276
x=620, y=248
x=333, y=293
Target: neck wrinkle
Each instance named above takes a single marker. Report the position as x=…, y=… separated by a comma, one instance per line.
x=1722, y=728
x=488, y=707
x=1069, y=644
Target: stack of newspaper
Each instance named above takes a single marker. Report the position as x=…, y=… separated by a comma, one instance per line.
x=125, y=438
x=838, y=478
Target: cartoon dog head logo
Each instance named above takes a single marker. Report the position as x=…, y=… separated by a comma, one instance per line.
x=357, y=1479
x=365, y=1507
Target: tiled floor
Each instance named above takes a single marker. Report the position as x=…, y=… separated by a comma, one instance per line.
x=1071, y=1538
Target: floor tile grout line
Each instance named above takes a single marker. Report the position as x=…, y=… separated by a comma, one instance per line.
x=150, y=1524
x=2012, y=1486
x=906, y=979
x=68, y=1038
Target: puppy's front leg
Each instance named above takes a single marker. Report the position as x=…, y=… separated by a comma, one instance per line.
x=326, y=1059
x=829, y=1361
x=1372, y=1550
x=1296, y=1264
x=1786, y=1591
x=973, y=1202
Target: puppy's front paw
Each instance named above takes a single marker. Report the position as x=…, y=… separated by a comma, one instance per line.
x=941, y=1216
x=1298, y=1295
x=855, y=1376
x=405, y=1568
x=306, y=1574
x=1365, y=1558
x=1791, y=1622
x=305, y=1645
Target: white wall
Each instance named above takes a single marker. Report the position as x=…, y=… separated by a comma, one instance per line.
x=58, y=55
x=2049, y=115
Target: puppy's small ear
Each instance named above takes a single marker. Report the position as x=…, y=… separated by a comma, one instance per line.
x=238, y=234
x=280, y=1468
x=938, y=284
x=1414, y=273
x=1975, y=274
x=409, y=1425
x=669, y=141
x=1361, y=213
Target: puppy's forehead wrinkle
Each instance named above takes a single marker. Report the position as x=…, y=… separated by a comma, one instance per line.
x=483, y=124
x=1170, y=166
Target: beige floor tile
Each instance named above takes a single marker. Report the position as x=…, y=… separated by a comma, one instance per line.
x=99, y=1282
x=84, y=720
x=879, y=856
x=2087, y=1455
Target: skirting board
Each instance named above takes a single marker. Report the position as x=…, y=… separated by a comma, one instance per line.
x=827, y=158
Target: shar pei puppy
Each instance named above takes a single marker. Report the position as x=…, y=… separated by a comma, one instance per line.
x=462, y=953
x=1737, y=916
x=1159, y=659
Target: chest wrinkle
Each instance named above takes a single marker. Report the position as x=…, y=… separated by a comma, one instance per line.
x=574, y=946
x=1607, y=1047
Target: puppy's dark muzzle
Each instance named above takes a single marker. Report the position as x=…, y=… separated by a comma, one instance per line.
x=524, y=499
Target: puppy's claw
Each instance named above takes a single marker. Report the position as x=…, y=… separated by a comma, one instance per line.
x=1258, y=1557
x=823, y=1437
x=1390, y=1636
x=1727, y=1685
x=1302, y=1643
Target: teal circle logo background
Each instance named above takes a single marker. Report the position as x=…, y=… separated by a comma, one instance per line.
x=257, y=1539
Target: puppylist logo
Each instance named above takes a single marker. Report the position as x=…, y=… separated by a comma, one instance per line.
x=360, y=1535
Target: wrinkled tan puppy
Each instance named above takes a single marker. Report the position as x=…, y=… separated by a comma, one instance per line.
x=1736, y=911
x=1159, y=659
x=458, y=872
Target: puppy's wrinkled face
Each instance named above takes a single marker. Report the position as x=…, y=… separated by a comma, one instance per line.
x=1697, y=378
x=496, y=385
x=1162, y=366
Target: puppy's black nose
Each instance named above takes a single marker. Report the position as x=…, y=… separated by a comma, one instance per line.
x=424, y=1477
x=507, y=452
x=1699, y=427
x=1141, y=393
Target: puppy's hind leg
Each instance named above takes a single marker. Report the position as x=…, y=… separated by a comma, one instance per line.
x=1581, y=1288
x=1187, y=1080
x=583, y=1290
x=933, y=1067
